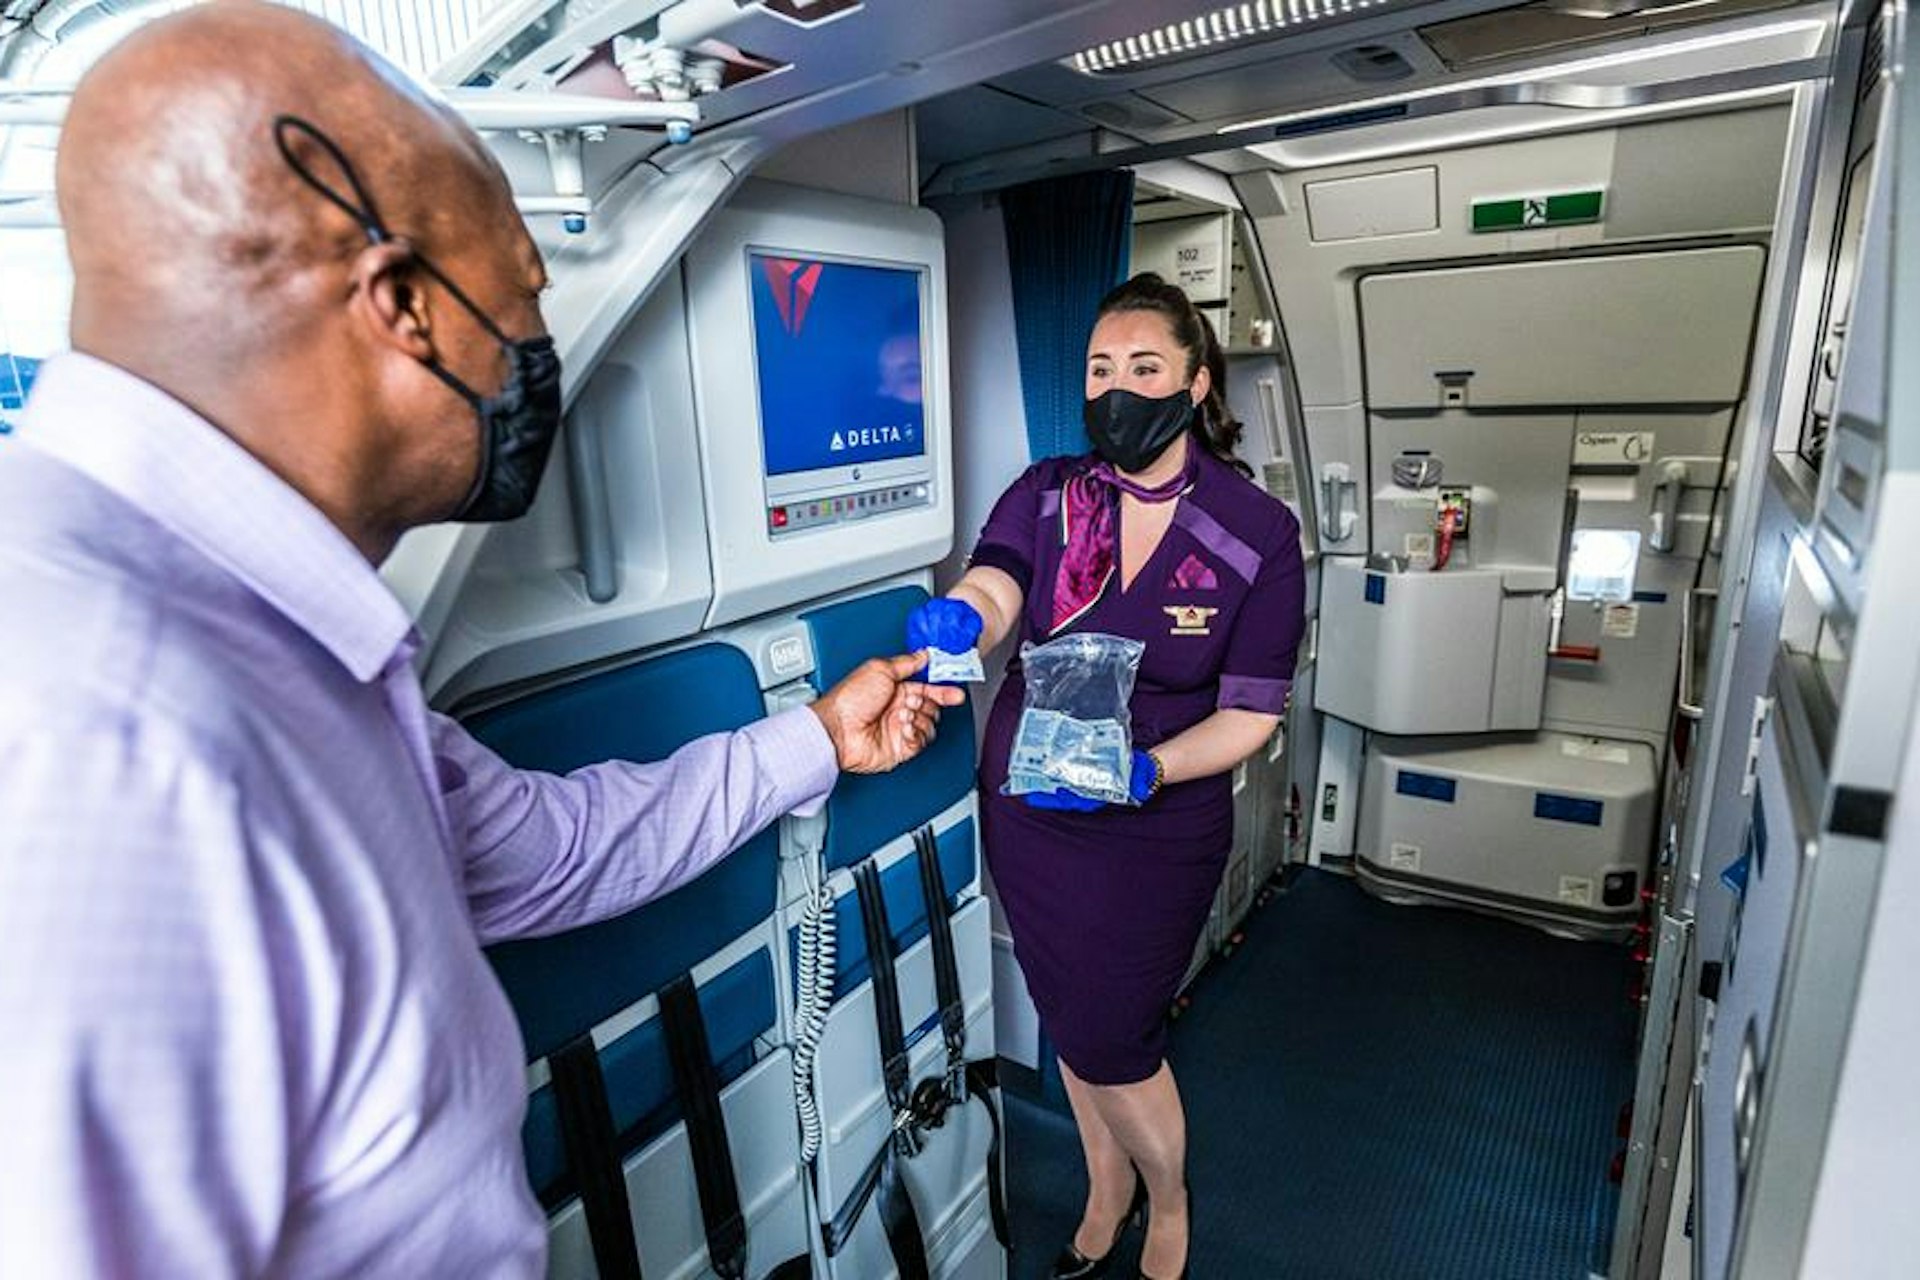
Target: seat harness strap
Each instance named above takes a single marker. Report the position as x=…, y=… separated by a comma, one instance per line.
x=699, y=1088
x=593, y=1157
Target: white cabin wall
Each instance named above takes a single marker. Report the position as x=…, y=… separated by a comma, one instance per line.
x=1863, y=1225
x=1321, y=228
x=872, y=157
x=1697, y=176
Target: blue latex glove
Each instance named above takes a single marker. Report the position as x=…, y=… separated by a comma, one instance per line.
x=952, y=626
x=1062, y=799
x=1139, y=786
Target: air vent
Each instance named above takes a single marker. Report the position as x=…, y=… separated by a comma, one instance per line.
x=1873, y=60
x=1373, y=63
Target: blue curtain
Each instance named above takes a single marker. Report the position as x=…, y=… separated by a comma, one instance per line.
x=1068, y=242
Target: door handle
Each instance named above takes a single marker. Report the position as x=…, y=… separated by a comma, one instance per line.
x=1690, y=705
x=1665, y=517
x=1339, y=502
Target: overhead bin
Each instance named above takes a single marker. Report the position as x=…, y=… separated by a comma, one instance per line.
x=1640, y=329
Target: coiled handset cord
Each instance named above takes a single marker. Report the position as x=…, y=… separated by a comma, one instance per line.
x=813, y=996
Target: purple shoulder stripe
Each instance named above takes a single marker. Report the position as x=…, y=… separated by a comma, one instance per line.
x=1213, y=535
x=1254, y=693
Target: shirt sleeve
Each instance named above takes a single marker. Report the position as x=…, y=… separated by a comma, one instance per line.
x=545, y=853
x=145, y=958
x=1008, y=538
x=1257, y=673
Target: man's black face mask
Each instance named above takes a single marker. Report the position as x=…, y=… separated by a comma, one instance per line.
x=519, y=422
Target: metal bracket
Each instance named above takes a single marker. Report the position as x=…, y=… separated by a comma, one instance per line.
x=1339, y=502
x=1750, y=775
x=1453, y=387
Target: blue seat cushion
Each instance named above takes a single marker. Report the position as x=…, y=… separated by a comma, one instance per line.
x=737, y=1005
x=565, y=985
x=866, y=812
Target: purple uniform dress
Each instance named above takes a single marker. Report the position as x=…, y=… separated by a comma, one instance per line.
x=1105, y=907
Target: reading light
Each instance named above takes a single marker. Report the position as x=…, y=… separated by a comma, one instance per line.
x=1221, y=27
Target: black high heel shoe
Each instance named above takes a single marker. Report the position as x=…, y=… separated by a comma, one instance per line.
x=1074, y=1265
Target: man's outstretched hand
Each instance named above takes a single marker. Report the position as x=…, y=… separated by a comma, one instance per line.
x=879, y=717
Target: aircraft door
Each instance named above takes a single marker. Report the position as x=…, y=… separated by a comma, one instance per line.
x=1546, y=439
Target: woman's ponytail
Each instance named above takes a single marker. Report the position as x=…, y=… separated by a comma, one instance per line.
x=1216, y=428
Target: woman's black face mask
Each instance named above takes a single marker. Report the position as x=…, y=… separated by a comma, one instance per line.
x=1131, y=430
x=519, y=422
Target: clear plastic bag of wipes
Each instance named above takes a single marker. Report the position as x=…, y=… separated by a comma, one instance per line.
x=1075, y=730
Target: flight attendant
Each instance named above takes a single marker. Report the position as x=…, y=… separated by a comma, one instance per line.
x=1157, y=535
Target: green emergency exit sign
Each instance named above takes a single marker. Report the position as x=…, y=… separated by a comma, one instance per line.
x=1524, y=213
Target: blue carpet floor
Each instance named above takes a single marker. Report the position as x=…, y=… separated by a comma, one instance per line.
x=1377, y=1093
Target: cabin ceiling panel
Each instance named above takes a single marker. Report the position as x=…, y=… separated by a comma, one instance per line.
x=882, y=40
x=912, y=53
x=981, y=119
x=1301, y=80
x=1058, y=83
x=1554, y=25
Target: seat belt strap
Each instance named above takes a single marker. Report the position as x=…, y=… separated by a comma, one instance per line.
x=892, y=1035
x=983, y=1081
x=946, y=967
x=881, y=1180
x=798, y=1267
x=699, y=1088
x=965, y=1080
x=902, y=1224
x=593, y=1157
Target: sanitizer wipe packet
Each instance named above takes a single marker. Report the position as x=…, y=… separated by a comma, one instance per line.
x=954, y=668
x=1075, y=729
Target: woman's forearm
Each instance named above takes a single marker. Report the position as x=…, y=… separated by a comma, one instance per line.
x=996, y=597
x=1215, y=745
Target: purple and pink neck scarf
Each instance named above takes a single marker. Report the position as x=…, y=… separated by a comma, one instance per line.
x=1090, y=533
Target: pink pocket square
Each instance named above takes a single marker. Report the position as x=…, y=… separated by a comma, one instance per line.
x=1194, y=574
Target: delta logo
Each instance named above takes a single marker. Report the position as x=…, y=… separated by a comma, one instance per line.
x=793, y=283
x=867, y=437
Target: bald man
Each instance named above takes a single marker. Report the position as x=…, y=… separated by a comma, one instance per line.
x=245, y=873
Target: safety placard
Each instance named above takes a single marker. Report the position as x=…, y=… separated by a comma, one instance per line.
x=1620, y=621
x=1594, y=749
x=1524, y=213
x=1612, y=448
x=1194, y=253
x=1576, y=891
x=1197, y=267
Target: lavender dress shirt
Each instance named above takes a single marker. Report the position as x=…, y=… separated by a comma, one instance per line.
x=245, y=875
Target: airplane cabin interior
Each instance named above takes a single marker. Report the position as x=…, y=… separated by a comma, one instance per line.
x=1562, y=932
